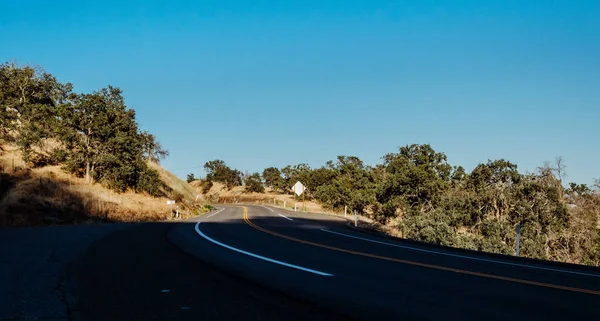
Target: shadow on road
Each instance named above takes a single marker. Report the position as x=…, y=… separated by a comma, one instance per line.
x=137, y=274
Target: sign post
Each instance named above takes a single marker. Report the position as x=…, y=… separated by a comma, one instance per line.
x=171, y=202
x=298, y=189
x=304, y=202
x=518, y=238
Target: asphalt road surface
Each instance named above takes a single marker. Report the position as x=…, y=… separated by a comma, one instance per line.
x=265, y=263
x=318, y=260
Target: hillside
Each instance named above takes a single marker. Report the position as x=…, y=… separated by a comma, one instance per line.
x=49, y=195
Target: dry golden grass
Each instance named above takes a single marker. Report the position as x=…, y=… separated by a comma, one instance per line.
x=196, y=183
x=10, y=159
x=48, y=195
x=174, y=182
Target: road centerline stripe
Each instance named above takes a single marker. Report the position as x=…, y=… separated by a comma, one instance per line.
x=258, y=256
x=287, y=218
x=431, y=266
x=462, y=256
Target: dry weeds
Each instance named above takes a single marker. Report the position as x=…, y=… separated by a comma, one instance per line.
x=48, y=195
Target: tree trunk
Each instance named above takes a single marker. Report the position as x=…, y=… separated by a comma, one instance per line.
x=87, y=147
x=87, y=171
x=92, y=171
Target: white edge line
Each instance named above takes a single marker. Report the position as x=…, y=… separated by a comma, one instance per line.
x=215, y=213
x=463, y=256
x=287, y=218
x=267, y=208
x=258, y=256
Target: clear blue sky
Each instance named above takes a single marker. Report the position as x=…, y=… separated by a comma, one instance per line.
x=271, y=83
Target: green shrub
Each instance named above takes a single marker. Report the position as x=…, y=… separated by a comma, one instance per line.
x=206, y=186
x=149, y=182
x=254, y=184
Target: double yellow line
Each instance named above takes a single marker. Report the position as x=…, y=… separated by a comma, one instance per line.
x=430, y=266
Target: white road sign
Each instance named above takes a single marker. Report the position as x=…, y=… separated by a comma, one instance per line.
x=298, y=188
x=170, y=202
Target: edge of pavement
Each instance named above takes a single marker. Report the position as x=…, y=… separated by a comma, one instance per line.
x=367, y=231
x=180, y=239
x=349, y=224
x=506, y=257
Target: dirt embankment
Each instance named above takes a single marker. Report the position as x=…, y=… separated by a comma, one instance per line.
x=49, y=196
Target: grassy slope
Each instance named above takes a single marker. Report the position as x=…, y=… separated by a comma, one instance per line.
x=48, y=195
x=174, y=182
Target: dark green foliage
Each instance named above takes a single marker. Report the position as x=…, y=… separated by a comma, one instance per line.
x=218, y=171
x=149, y=182
x=428, y=229
x=92, y=135
x=206, y=186
x=292, y=174
x=273, y=179
x=427, y=199
x=151, y=149
x=254, y=183
x=417, y=172
x=346, y=182
x=190, y=177
x=28, y=99
x=579, y=190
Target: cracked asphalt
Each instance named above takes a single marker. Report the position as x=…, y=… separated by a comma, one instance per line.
x=38, y=270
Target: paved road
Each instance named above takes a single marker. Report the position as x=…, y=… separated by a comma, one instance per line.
x=39, y=269
x=316, y=259
x=137, y=274
x=262, y=263
x=119, y=272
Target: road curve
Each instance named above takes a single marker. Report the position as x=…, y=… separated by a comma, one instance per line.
x=316, y=259
x=137, y=274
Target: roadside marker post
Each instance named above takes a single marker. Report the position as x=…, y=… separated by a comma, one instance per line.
x=518, y=239
x=284, y=204
x=345, y=210
x=355, y=221
x=171, y=202
x=304, y=202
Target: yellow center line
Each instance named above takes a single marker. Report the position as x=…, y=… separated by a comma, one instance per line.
x=430, y=266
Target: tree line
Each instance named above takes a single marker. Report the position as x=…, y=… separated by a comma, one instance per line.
x=92, y=135
x=218, y=171
x=417, y=191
